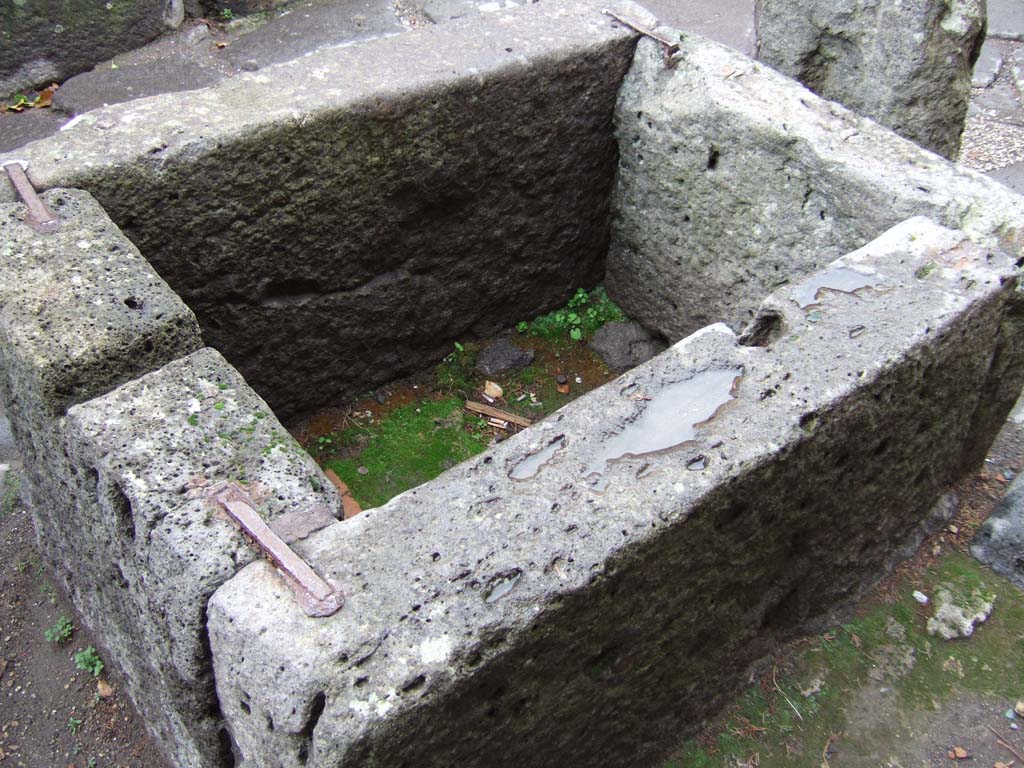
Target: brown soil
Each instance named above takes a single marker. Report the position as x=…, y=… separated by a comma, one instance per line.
x=51, y=714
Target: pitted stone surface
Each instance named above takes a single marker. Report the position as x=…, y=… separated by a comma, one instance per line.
x=572, y=620
x=733, y=180
x=388, y=207
x=83, y=305
x=906, y=65
x=80, y=312
x=151, y=547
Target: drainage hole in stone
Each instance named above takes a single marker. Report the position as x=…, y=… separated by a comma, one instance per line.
x=766, y=328
x=132, y=303
x=316, y=708
x=122, y=508
x=226, y=752
x=415, y=684
x=712, y=159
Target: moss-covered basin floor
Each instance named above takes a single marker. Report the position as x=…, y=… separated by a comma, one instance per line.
x=412, y=431
x=881, y=691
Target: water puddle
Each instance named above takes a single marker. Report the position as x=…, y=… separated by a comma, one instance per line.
x=532, y=464
x=668, y=419
x=836, y=278
x=502, y=585
x=697, y=463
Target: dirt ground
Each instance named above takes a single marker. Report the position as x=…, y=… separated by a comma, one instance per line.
x=53, y=715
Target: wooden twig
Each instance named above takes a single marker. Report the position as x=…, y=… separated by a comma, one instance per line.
x=1002, y=743
x=783, y=694
x=497, y=413
x=824, y=751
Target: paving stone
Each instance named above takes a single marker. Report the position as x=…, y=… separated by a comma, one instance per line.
x=1011, y=175
x=105, y=85
x=311, y=25
x=730, y=22
x=1006, y=19
x=988, y=66
x=20, y=128
x=999, y=101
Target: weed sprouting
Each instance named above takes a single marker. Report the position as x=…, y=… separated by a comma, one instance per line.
x=89, y=661
x=579, y=319
x=60, y=632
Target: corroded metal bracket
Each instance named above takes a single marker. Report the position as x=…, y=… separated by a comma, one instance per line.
x=315, y=595
x=671, y=47
x=40, y=217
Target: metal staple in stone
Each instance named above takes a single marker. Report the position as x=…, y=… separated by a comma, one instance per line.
x=314, y=594
x=40, y=217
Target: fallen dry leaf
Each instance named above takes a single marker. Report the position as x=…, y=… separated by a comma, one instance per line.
x=104, y=689
x=1001, y=764
x=492, y=389
x=45, y=97
x=1019, y=708
x=959, y=753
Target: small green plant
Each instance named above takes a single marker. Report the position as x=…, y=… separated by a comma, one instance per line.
x=89, y=661
x=60, y=632
x=49, y=591
x=522, y=327
x=74, y=725
x=226, y=14
x=580, y=318
x=21, y=566
x=324, y=443
x=193, y=420
x=91, y=763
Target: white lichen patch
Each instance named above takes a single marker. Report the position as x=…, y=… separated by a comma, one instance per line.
x=436, y=650
x=373, y=705
x=957, y=612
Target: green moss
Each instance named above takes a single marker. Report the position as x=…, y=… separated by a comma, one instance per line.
x=10, y=494
x=839, y=664
x=455, y=372
x=408, y=448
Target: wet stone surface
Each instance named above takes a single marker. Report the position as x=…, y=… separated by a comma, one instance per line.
x=501, y=356
x=1000, y=541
